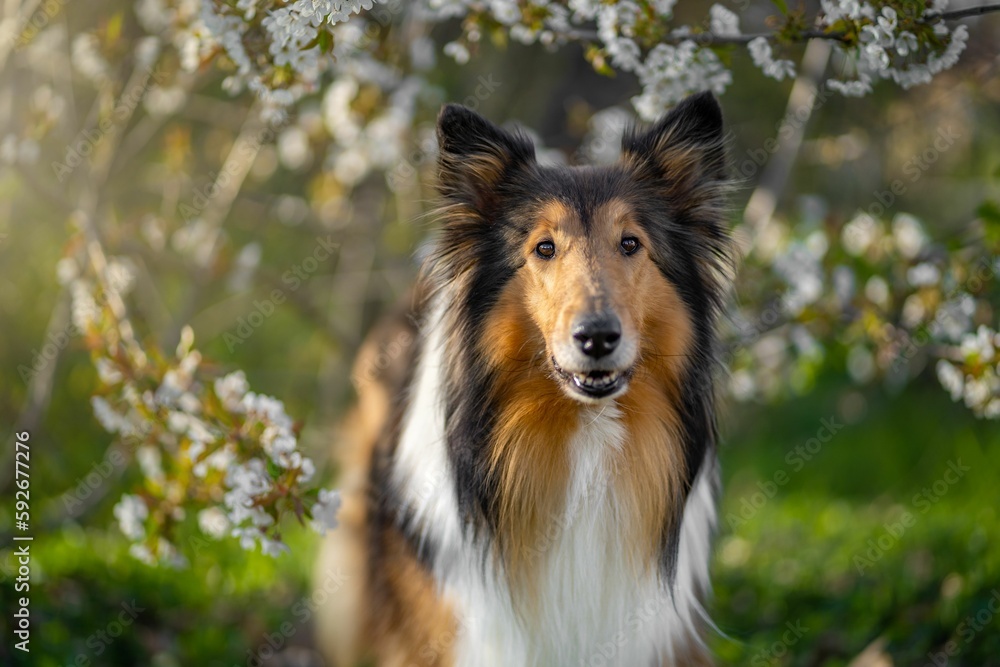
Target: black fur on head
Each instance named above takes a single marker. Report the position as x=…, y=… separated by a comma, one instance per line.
x=681, y=165
x=673, y=174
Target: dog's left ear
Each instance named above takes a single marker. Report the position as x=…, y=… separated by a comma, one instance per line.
x=684, y=151
x=476, y=156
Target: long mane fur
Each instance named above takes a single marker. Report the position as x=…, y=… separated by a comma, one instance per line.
x=675, y=174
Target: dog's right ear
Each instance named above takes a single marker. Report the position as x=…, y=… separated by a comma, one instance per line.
x=475, y=156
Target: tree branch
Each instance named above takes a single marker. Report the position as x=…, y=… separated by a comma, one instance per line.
x=711, y=39
x=225, y=188
x=801, y=104
x=957, y=14
x=40, y=386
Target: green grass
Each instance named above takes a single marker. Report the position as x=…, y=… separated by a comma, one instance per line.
x=830, y=552
x=211, y=614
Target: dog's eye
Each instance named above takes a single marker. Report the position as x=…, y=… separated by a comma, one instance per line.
x=629, y=245
x=545, y=249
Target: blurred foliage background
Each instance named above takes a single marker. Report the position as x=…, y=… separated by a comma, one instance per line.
x=789, y=589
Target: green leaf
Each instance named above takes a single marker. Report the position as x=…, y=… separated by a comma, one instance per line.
x=325, y=41
x=989, y=213
x=595, y=56
x=115, y=27
x=782, y=6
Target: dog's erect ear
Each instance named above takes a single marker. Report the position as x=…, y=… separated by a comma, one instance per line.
x=685, y=149
x=476, y=155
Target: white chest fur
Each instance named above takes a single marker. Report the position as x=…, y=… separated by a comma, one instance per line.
x=593, y=609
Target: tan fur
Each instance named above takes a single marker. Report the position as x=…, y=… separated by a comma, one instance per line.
x=529, y=448
x=419, y=628
x=390, y=610
x=344, y=551
x=687, y=172
x=523, y=442
x=537, y=307
x=351, y=627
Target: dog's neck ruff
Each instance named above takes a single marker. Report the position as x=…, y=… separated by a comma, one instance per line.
x=590, y=604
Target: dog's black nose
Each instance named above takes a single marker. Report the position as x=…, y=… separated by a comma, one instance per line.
x=598, y=335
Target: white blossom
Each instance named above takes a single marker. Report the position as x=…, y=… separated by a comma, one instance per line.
x=307, y=470
x=978, y=391
x=763, y=57
x=220, y=459
x=248, y=480
x=231, y=389
x=107, y=371
x=908, y=234
x=980, y=345
x=923, y=275
x=954, y=317
x=670, y=73
x=724, y=22
x=458, y=52
x=131, y=512
x=860, y=364
x=742, y=385
x=67, y=270
x=272, y=548
x=87, y=58
x=164, y=101
x=109, y=418
x=142, y=553
x=914, y=311
x=860, y=234
x=294, y=150
x=324, y=512
x=120, y=274
x=213, y=522
x=877, y=291
x=151, y=463
x=857, y=88
x=800, y=268
x=602, y=145
x=951, y=379
x=84, y=309
x=906, y=43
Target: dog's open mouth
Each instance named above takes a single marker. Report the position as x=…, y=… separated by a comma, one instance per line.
x=594, y=384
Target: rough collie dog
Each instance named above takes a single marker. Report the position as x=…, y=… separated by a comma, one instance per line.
x=532, y=472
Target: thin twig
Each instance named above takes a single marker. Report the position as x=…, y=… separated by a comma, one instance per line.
x=226, y=187
x=711, y=39
x=47, y=194
x=19, y=17
x=801, y=104
x=957, y=14
x=41, y=383
x=139, y=136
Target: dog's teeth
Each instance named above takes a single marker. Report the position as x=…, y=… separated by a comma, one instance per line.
x=598, y=380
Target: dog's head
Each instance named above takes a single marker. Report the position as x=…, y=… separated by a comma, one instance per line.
x=593, y=274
